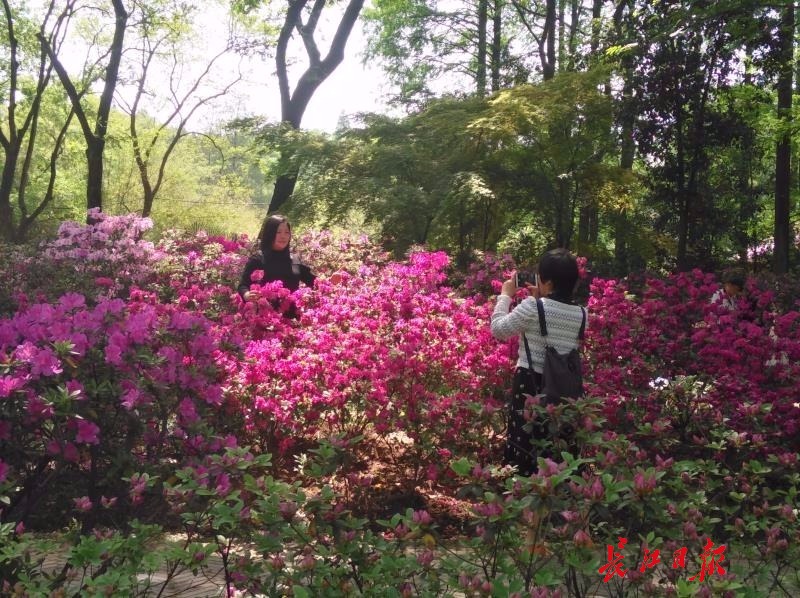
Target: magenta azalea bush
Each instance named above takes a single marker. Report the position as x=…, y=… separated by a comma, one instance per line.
x=139, y=393
x=670, y=357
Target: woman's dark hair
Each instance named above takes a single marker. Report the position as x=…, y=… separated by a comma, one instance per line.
x=734, y=276
x=560, y=267
x=268, y=232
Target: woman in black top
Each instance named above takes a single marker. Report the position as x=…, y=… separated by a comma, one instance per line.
x=275, y=260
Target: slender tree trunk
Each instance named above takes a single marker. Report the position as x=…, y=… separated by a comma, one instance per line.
x=483, y=26
x=627, y=118
x=94, y=167
x=681, y=195
x=497, y=44
x=783, y=151
x=574, y=29
x=6, y=186
x=12, y=142
x=96, y=147
x=547, y=48
x=26, y=223
x=597, y=12
x=562, y=37
x=16, y=174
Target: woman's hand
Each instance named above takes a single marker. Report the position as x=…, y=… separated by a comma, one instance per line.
x=510, y=287
x=250, y=295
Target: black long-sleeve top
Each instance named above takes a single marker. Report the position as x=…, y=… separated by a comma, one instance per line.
x=276, y=266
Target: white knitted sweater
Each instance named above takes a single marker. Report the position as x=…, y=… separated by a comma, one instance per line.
x=563, y=325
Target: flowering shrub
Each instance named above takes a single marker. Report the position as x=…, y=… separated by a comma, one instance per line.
x=90, y=393
x=676, y=359
x=485, y=275
x=104, y=259
x=389, y=350
x=327, y=253
x=120, y=405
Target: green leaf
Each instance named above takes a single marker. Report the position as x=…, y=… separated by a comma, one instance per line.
x=461, y=467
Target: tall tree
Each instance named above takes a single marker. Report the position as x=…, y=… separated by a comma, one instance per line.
x=302, y=18
x=95, y=135
x=544, y=35
x=783, y=151
x=430, y=47
x=28, y=76
x=160, y=46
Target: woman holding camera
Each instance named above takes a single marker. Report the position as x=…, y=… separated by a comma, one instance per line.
x=555, y=283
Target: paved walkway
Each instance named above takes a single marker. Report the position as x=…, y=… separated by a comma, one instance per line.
x=208, y=583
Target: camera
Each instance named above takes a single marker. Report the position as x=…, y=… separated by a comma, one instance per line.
x=524, y=278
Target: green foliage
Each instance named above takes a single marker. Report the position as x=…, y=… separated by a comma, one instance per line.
x=537, y=534
x=469, y=174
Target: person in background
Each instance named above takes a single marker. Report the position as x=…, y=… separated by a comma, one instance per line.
x=733, y=283
x=554, y=284
x=275, y=259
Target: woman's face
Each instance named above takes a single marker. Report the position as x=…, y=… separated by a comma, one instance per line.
x=282, y=237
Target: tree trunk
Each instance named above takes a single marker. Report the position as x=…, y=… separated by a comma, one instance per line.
x=94, y=164
x=562, y=37
x=483, y=22
x=497, y=44
x=293, y=105
x=547, y=46
x=597, y=13
x=6, y=186
x=95, y=139
x=96, y=146
x=783, y=151
x=574, y=30
x=11, y=143
x=627, y=118
x=681, y=194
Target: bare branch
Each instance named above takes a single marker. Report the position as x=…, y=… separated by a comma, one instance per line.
x=72, y=93
x=13, y=67
x=307, y=32
x=49, y=193
x=292, y=19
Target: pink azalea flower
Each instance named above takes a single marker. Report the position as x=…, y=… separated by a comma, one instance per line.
x=131, y=398
x=75, y=389
x=87, y=432
x=10, y=384
x=70, y=452
x=223, y=484
x=83, y=504
x=187, y=411
x=70, y=301
x=103, y=281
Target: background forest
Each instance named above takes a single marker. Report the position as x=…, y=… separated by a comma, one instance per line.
x=642, y=135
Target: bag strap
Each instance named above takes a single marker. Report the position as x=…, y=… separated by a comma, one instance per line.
x=543, y=330
x=527, y=351
x=543, y=323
